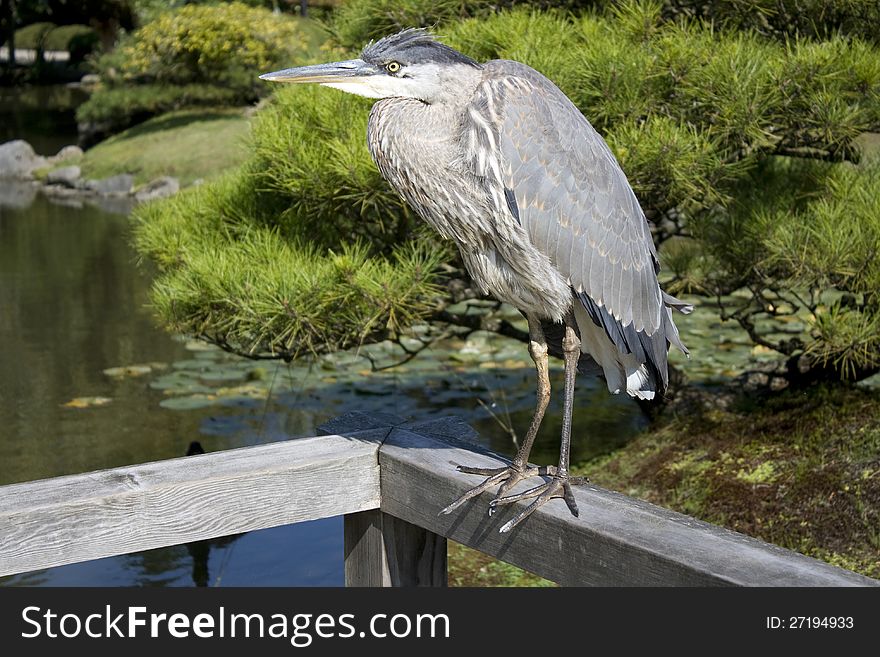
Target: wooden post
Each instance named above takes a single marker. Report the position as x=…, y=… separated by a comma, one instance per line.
x=381, y=550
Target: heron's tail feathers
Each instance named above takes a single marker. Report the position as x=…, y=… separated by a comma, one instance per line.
x=639, y=383
x=631, y=360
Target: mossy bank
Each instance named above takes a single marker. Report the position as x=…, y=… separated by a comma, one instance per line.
x=798, y=469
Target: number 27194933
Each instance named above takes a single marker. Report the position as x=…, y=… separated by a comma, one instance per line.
x=810, y=623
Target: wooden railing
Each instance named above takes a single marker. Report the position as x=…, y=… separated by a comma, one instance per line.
x=389, y=479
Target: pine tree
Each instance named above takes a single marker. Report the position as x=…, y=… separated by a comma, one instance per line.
x=742, y=139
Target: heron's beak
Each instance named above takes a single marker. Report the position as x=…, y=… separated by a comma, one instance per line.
x=347, y=71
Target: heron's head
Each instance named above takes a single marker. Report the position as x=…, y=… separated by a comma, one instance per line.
x=409, y=64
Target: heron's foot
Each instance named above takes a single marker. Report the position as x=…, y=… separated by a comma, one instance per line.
x=506, y=477
x=559, y=486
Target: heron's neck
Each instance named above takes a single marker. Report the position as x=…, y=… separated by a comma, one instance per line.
x=456, y=88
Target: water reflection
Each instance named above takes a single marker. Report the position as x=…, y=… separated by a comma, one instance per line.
x=45, y=116
x=73, y=304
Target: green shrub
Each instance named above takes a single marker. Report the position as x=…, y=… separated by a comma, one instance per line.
x=358, y=21
x=783, y=18
x=209, y=44
x=232, y=276
x=33, y=36
x=195, y=55
x=78, y=40
x=309, y=148
x=60, y=37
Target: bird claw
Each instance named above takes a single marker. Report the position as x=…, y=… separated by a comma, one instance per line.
x=558, y=486
x=506, y=477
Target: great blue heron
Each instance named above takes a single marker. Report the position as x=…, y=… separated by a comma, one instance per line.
x=497, y=158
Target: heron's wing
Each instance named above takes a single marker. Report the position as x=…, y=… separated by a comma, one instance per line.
x=571, y=196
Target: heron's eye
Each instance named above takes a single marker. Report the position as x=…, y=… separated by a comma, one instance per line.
x=392, y=67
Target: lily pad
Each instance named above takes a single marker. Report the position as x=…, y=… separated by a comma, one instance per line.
x=87, y=402
x=128, y=371
x=223, y=374
x=180, y=383
x=188, y=403
x=192, y=364
x=248, y=390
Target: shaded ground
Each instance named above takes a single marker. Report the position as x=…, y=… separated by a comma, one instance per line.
x=798, y=470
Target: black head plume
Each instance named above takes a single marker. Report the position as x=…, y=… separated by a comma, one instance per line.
x=413, y=46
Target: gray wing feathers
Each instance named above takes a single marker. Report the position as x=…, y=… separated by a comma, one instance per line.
x=574, y=200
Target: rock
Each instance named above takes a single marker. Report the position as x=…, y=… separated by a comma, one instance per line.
x=90, y=79
x=120, y=184
x=778, y=383
x=18, y=159
x=755, y=380
x=68, y=153
x=159, y=188
x=64, y=195
x=66, y=176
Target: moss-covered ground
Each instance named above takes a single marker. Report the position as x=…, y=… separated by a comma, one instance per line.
x=799, y=469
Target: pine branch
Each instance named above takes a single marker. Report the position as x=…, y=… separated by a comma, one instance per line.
x=813, y=153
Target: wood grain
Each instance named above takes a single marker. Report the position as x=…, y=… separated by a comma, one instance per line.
x=99, y=514
x=381, y=550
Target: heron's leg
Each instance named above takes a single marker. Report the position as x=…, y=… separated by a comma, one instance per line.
x=509, y=476
x=560, y=483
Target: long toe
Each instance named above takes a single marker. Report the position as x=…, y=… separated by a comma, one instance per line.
x=492, y=480
x=553, y=489
x=537, y=491
x=516, y=477
x=506, y=477
x=486, y=472
x=568, y=496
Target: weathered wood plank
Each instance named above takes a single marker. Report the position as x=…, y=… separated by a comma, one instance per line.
x=99, y=514
x=616, y=541
x=381, y=550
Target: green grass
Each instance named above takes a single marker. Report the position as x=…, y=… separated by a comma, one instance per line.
x=801, y=470
x=469, y=567
x=188, y=144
